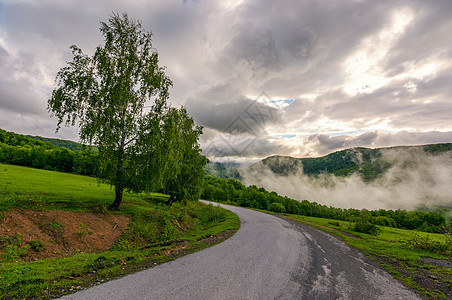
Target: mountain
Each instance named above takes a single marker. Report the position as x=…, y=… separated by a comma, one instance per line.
x=229, y=170
x=368, y=163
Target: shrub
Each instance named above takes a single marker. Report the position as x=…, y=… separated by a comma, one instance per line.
x=12, y=248
x=426, y=243
x=208, y=214
x=37, y=245
x=365, y=226
x=277, y=207
x=334, y=223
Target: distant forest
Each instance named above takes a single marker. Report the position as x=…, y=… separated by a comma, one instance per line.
x=231, y=191
x=48, y=154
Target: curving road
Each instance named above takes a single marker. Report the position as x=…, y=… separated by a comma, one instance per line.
x=268, y=258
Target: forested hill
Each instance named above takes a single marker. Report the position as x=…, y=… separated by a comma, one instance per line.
x=369, y=163
x=74, y=146
x=15, y=139
x=44, y=153
x=227, y=170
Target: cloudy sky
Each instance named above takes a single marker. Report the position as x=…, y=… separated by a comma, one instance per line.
x=300, y=78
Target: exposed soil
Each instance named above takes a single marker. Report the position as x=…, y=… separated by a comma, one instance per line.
x=63, y=232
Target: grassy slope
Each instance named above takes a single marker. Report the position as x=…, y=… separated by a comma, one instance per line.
x=158, y=233
x=56, y=189
x=391, y=250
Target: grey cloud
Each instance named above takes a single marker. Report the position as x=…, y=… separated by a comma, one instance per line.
x=219, y=58
x=243, y=145
x=236, y=116
x=322, y=144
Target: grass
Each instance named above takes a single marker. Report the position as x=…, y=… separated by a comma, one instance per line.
x=157, y=233
x=34, y=188
x=393, y=249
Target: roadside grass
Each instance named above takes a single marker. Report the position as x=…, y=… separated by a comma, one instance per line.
x=50, y=278
x=157, y=233
x=427, y=272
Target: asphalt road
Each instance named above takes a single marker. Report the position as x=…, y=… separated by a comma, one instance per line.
x=268, y=258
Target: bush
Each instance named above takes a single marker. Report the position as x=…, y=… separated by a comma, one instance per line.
x=37, y=245
x=334, y=223
x=426, y=243
x=365, y=226
x=209, y=214
x=277, y=207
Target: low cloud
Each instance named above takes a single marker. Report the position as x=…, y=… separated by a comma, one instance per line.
x=415, y=180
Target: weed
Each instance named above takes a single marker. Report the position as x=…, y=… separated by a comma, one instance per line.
x=37, y=245
x=57, y=226
x=209, y=214
x=12, y=248
x=83, y=231
x=334, y=223
x=100, y=209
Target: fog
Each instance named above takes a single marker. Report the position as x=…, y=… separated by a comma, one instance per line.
x=415, y=179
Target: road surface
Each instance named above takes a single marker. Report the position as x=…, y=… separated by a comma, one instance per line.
x=268, y=258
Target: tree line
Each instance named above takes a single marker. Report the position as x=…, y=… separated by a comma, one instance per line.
x=25, y=151
x=233, y=192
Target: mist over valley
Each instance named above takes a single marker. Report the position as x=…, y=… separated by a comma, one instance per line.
x=404, y=177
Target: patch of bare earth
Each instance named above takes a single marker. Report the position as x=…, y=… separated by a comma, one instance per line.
x=63, y=232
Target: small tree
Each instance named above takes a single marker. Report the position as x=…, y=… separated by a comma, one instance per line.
x=108, y=95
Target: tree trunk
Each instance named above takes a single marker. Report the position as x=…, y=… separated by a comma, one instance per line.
x=118, y=198
x=119, y=188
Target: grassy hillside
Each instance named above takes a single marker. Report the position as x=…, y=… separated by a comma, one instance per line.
x=156, y=232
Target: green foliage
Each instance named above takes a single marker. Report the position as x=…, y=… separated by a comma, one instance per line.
x=108, y=93
x=277, y=207
x=11, y=248
x=426, y=243
x=37, y=245
x=368, y=163
x=36, y=154
x=185, y=163
x=118, y=96
x=438, y=148
x=70, y=145
x=83, y=231
x=232, y=191
x=364, y=226
x=209, y=214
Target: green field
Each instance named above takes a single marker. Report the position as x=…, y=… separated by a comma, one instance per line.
x=58, y=190
x=154, y=235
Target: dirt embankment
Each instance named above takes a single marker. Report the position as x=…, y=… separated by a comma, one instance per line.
x=61, y=233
